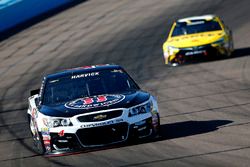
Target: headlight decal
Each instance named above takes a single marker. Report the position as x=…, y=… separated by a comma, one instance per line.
x=172, y=50
x=142, y=109
x=58, y=122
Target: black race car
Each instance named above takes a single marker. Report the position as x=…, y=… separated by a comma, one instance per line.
x=90, y=107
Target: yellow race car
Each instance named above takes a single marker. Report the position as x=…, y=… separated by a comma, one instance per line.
x=197, y=37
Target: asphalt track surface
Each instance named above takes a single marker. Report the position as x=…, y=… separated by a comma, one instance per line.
x=204, y=107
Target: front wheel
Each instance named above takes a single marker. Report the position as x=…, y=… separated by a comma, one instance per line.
x=38, y=145
x=178, y=60
x=156, y=128
x=229, y=49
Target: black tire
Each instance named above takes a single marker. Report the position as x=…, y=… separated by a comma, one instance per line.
x=230, y=49
x=156, y=132
x=178, y=60
x=38, y=145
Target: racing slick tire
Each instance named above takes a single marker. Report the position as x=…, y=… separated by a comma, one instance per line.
x=178, y=60
x=38, y=145
x=230, y=50
x=156, y=133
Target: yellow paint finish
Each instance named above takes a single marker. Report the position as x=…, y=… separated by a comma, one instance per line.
x=192, y=40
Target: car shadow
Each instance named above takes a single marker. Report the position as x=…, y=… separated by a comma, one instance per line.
x=30, y=22
x=241, y=52
x=189, y=128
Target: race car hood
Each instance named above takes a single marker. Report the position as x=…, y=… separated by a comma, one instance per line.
x=95, y=103
x=192, y=40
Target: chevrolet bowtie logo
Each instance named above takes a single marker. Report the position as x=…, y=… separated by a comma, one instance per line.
x=100, y=117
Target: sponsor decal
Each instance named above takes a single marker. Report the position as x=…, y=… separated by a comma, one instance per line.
x=45, y=131
x=196, y=22
x=46, y=142
x=95, y=102
x=45, y=121
x=100, y=117
x=118, y=71
x=63, y=141
x=47, y=145
x=195, y=52
x=101, y=99
x=92, y=74
x=102, y=123
x=46, y=137
x=61, y=133
x=42, y=86
x=88, y=101
x=34, y=113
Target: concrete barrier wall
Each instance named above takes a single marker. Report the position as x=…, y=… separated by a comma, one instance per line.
x=13, y=12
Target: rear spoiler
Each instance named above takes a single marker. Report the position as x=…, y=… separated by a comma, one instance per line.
x=34, y=92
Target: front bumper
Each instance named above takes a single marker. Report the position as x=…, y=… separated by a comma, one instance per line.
x=198, y=53
x=86, y=138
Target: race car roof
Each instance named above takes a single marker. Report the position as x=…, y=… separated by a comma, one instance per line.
x=84, y=69
x=194, y=18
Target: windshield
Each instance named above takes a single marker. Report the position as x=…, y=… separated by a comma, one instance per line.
x=197, y=26
x=72, y=87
